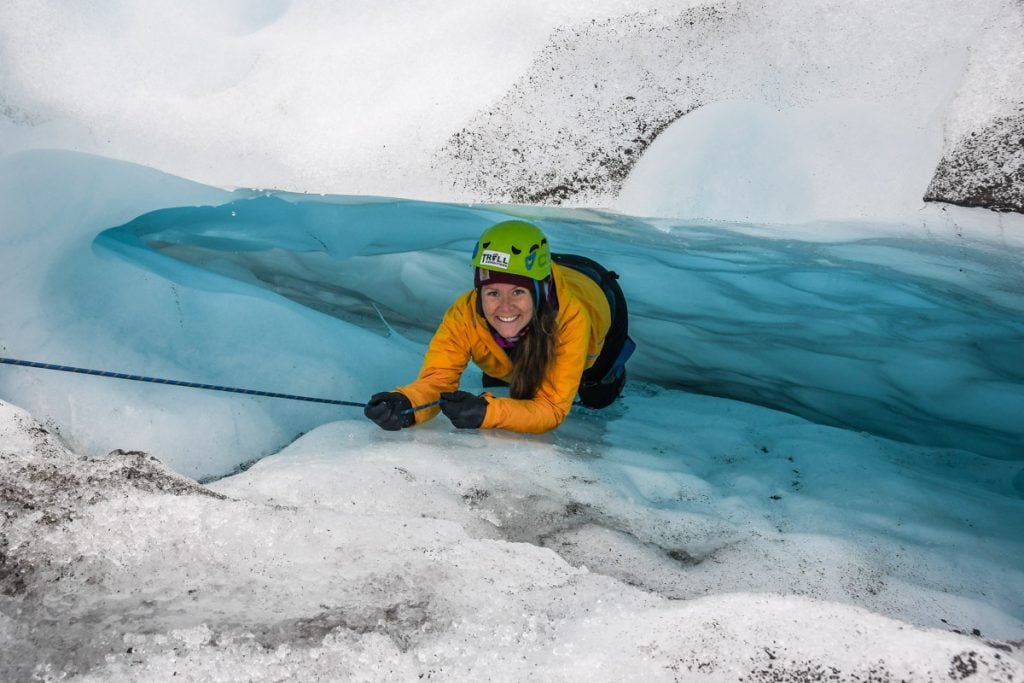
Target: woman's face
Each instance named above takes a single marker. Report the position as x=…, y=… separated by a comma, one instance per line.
x=508, y=308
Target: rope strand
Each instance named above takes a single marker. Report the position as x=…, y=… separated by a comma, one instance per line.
x=174, y=382
x=194, y=385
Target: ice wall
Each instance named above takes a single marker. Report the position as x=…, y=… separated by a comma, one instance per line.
x=307, y=95
x=75, y=305
x=911, y=339
x=778, y=113
x=802, y=110
x=983, y=156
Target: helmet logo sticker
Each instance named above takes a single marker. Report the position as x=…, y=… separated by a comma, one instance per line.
x=532, y=258
x=497, y=259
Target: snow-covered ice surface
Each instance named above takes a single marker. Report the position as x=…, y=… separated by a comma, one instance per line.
x=814, y=473
x=474, y=556
x=782, y=104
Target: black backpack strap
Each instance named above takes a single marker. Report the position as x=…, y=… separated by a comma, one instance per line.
x=618, y=346
x=589, y=267
x=604, y=278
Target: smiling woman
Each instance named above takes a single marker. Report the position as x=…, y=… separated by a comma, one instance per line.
x=548, y=326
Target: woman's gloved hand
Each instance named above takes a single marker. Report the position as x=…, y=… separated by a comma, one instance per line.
x=386, y=409
x=465, y=410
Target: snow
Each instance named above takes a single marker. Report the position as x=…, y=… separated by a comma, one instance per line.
x=466, y=554
x=816, y=467
x=747, y=161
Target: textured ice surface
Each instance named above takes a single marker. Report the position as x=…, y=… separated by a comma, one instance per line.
x=672, y=535
x=908, y=338
x=854, y=106
x=677, y=536
x=360, y=554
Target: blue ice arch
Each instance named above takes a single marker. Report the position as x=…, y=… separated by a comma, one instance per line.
x=909, y=339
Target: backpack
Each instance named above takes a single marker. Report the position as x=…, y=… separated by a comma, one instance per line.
x=617, y=341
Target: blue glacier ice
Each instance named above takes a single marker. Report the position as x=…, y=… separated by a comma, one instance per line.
x=814, y=473
x=818, y=436
x=903, y=338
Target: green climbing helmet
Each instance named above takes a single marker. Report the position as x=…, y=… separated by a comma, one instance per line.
x=514, y=247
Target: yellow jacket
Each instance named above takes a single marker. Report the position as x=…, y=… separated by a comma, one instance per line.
x=583, y=321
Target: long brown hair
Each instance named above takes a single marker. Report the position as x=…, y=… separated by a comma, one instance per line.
x=532, y=355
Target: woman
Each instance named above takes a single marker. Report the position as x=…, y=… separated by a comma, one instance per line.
x=550, y=326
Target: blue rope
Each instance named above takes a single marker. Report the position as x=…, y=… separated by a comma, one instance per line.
x=176, y=383
x=422, y=406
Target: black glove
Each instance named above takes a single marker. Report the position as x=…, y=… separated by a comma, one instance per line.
x=386, y=409
x=465, y=410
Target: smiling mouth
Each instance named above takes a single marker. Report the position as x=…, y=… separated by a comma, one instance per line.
x=508, y=320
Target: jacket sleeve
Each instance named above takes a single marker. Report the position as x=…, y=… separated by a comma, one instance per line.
x=557, y=392
x=447, y=356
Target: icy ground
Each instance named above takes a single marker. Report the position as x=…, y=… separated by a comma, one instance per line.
x=815, y=472
x=674, y=535
x=481, y=555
